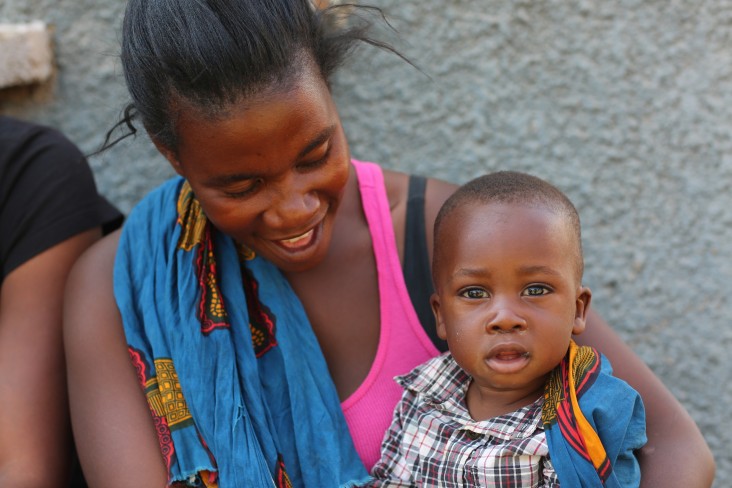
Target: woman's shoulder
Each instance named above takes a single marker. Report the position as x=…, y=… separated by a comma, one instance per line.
x=101, y=254
x=90, y=281
x=93, y=273
x=436, y=190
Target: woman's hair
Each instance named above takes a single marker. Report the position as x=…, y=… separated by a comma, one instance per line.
x=208, y=54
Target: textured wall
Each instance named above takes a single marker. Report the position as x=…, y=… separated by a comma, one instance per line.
x=625, y=105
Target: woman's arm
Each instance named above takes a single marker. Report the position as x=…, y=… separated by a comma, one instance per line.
x=112, y=425
x=676, y=454
x=34, y=428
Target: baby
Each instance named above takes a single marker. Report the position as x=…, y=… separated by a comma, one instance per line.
x=515, y=402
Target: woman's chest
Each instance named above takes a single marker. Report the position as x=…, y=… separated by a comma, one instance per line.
x=341, y=299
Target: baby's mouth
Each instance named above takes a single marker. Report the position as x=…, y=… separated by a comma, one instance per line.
x=508, y=359
x=510, y=355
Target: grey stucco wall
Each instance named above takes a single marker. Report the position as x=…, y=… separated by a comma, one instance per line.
x=626, y=105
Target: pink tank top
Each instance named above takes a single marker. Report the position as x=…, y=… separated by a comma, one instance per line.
x=403, y=344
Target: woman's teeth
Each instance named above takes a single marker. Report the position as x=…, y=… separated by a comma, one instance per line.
x=298, y=241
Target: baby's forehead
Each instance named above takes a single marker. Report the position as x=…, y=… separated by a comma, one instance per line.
x=502, y=210
x=500, y=222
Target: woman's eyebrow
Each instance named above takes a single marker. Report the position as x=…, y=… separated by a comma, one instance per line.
x=229, y=179
x=324, y=135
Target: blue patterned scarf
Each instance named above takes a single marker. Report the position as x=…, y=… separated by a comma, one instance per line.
x=236, y=383
x=594, y=423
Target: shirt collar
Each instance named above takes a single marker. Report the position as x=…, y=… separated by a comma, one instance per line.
x=443, y=383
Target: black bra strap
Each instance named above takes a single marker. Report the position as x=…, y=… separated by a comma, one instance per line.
x=416, y=259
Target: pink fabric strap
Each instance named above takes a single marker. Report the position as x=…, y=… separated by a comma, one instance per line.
x=403, y=344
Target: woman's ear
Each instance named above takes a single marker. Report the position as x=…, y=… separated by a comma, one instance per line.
x=582, y=305
x=170, y=155
x=440, y=324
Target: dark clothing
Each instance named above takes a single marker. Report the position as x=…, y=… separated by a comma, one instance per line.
x=416, y=265
x=47, y=193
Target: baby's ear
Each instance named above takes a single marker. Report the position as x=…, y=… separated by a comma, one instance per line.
x=440, y=324
x=582, y=305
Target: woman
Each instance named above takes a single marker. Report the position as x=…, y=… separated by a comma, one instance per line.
x=271, y=226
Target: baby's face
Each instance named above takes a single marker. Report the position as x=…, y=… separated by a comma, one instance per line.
x=508, y=295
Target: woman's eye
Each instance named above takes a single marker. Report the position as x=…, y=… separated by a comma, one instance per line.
x=310, y=165
x=536, y=290
x=313, y=164
x=474, y=293
x=245, y=188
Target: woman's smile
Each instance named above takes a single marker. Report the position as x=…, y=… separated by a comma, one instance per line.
x=303, y=242
x=298, y=242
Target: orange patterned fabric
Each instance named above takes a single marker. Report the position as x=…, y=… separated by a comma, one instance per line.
x=593, y=422
x=561, y=404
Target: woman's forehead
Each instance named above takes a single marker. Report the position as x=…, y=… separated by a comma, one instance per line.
x=262, y=115
x=259, y=135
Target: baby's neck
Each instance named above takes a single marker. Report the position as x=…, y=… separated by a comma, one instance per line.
x=483, y=404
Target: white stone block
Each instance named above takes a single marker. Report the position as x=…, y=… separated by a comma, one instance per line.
x=26, y=55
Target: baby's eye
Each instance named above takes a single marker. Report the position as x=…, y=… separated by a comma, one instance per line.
x=474, y=293
x=536, y=290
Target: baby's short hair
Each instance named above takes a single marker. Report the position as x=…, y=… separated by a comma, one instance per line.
x=513, y=187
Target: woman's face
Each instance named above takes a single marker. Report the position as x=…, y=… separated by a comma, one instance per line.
x=271, y=173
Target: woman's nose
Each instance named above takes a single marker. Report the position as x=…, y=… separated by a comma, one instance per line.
x=292, y=204
x=505, y=318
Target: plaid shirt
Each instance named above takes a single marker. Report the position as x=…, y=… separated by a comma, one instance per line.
x=433, y=441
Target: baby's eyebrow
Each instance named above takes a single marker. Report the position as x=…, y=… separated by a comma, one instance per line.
x=522, y=270
x=473, y=272
x=538, y=269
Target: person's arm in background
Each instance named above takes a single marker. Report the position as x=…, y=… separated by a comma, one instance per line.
x=50, y=212
x=676, y=454
x=35, y=436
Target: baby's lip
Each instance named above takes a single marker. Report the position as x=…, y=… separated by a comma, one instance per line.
x=507, y=358
x=507, y=351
